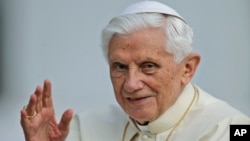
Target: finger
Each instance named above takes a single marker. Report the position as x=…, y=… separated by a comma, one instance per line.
x=64, y=124
x=25, y=123
x=24, y=119
x=31, y=107
x=47, y=95
x=38, y=93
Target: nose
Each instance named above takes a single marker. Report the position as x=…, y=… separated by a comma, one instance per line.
x=133, y=82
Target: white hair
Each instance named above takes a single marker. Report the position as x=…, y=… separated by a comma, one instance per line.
x=179, y=36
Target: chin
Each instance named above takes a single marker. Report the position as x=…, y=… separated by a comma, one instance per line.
x=142, y=115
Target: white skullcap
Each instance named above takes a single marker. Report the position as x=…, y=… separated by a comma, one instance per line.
x=150, y=6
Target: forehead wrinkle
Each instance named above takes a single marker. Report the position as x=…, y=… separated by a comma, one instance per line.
x=146, y=46
x=139, y=53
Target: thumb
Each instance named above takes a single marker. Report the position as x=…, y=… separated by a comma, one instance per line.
x=65, y=121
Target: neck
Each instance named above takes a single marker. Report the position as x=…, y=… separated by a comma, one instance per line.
x=142, y=124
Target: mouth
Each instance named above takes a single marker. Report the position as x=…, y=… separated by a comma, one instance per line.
x=137, y=98
x=138, y=101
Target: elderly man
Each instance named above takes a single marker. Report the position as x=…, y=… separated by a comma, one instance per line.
x=149, y=52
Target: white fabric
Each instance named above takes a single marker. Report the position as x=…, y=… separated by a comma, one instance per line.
x=150, y=6
x=144, y=128
x=208, y=120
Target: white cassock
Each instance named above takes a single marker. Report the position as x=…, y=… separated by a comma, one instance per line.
x=208, y=119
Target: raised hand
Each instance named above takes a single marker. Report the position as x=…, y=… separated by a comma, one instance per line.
x=38, y=118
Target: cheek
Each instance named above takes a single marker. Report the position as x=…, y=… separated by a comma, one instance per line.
x=117, y=83
x=117, y=87
x=164, y=86
x=163, y=79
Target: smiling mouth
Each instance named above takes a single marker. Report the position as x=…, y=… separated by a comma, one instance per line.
x=139, y=101
x=138, y=98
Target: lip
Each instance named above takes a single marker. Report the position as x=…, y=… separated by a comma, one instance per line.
x=139, y=101
x=137, y=98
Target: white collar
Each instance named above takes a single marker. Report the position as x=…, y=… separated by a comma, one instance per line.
x=144, y=128
x=172, y=115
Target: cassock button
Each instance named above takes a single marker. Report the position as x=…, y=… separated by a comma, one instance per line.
x=145, y=137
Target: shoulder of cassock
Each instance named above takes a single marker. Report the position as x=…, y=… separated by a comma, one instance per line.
x=99, y=124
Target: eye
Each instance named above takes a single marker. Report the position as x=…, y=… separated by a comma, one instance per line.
x=149, y=68
x=117, y=69
x=119, y=66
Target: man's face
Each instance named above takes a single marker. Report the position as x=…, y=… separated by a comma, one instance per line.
x=146, y=81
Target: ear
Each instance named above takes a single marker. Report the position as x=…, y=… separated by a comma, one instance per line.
x=190, y=63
